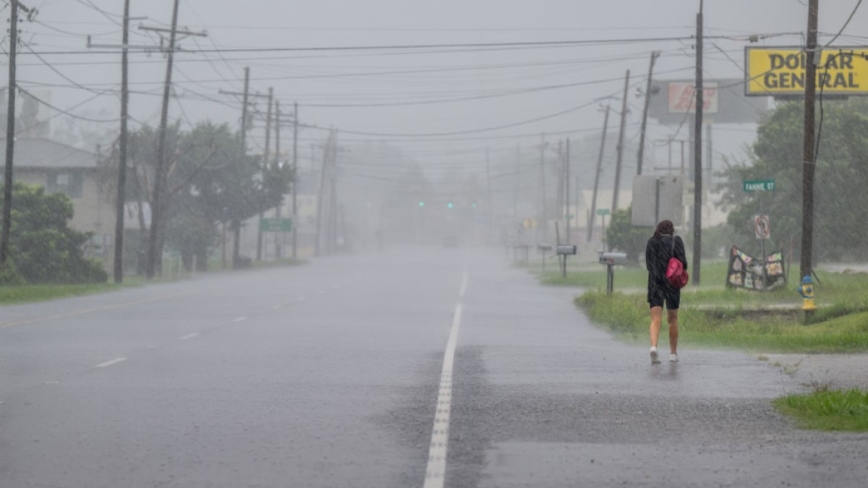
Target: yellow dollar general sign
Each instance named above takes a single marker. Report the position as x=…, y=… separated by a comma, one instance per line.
x=778, y=71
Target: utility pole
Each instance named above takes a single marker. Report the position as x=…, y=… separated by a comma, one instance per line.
x=697, y=156
x=542, y=185
x=567, y=216
x=641, y=159
x=592, y=217
x=808, y=148
x=122, y=150
x=265, y=163
x=620, y=157
x=322, y=187
x=278, y=236
x=490, y=219
x=517, y=182
x=154, y=242
x=10, y=135
x=295, y=182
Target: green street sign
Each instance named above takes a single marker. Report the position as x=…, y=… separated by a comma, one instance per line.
x=275, y=225
x=759, y=185
x=604, y=211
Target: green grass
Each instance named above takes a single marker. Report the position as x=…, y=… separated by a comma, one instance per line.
x=10, y=295
x=828, y=410
x=731, y=327
x=713, y=276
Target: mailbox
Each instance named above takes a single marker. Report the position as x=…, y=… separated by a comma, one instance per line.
x=613, y=258
x=565, y=250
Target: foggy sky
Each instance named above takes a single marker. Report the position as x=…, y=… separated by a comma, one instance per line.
x=317, y=78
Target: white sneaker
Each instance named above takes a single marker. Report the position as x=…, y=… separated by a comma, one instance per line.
x=673, y=358
x=654, y=357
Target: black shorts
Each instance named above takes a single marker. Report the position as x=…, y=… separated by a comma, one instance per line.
x=657, y=296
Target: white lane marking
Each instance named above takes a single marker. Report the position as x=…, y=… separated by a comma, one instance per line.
x=190, y=336
x=321, y=292
x=435, y=473
x=240, y=319
x=277, y=307
x=301, y=299
x=463, y=285
x=110, y=363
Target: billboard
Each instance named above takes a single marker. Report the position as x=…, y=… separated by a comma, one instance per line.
x=780, y=71
x=682, y=98
x=731, y=105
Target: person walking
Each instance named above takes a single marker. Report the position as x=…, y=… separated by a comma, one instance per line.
x=662, y=246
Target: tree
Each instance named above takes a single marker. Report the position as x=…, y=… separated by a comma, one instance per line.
x=209, y=180
x=840, y=196
x=43, y=249
x=622, y=236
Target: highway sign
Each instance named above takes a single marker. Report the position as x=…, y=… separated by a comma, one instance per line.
x=759, y=185
x=761, y=226
x=604, y=211
x=275, y=225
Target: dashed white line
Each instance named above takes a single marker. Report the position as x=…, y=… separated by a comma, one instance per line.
x=463, y=286
x=110, y=363
x=240, y=319
x=435, y=473
x=190, y=336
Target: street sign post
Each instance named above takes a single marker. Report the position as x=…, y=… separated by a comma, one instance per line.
x=759, y=185
x=761, y=226
x=604, y=211
x=275, y=225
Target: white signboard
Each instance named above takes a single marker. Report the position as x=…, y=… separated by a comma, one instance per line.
x=761, y=226
x=682, y=98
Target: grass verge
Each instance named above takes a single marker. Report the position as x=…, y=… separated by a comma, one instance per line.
x=827, y=409
x=731, y=327
x=10, y=295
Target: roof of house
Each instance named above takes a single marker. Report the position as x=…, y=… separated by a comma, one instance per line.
x=47, y=154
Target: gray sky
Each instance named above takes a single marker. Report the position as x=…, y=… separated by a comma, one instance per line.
x=329, y=85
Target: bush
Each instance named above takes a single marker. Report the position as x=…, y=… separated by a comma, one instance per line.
x=8, y=276
x=42, y=246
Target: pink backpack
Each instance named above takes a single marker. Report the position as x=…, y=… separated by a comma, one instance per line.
x=675, y=272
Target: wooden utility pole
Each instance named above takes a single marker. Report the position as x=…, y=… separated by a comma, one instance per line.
x=10, y=135
x=321, y=194
x=542, y=186
x=122, y=150
x=295, y=182
x=592, y=217
x=567, y=215
x=490, y=217
x=620, y=158
x=266, y=158
x=155, y=250
x=278, y=236
x=641, y=157
x=697, y=156
x=806, y=267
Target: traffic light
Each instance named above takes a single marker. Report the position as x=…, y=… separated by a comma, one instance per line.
x=421, y=203
x=450, y=205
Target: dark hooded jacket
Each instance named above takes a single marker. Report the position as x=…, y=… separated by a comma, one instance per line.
x=658, y=251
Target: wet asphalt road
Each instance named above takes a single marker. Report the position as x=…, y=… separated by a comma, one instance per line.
x=327, y=375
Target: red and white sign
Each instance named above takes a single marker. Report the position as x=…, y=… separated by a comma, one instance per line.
x=682, y=98
x=761, y=226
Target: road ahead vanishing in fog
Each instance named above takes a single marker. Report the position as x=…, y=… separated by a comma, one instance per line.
x=332, y=375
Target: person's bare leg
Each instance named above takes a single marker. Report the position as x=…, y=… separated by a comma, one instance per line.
x=656, y=322
x=672, y=317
